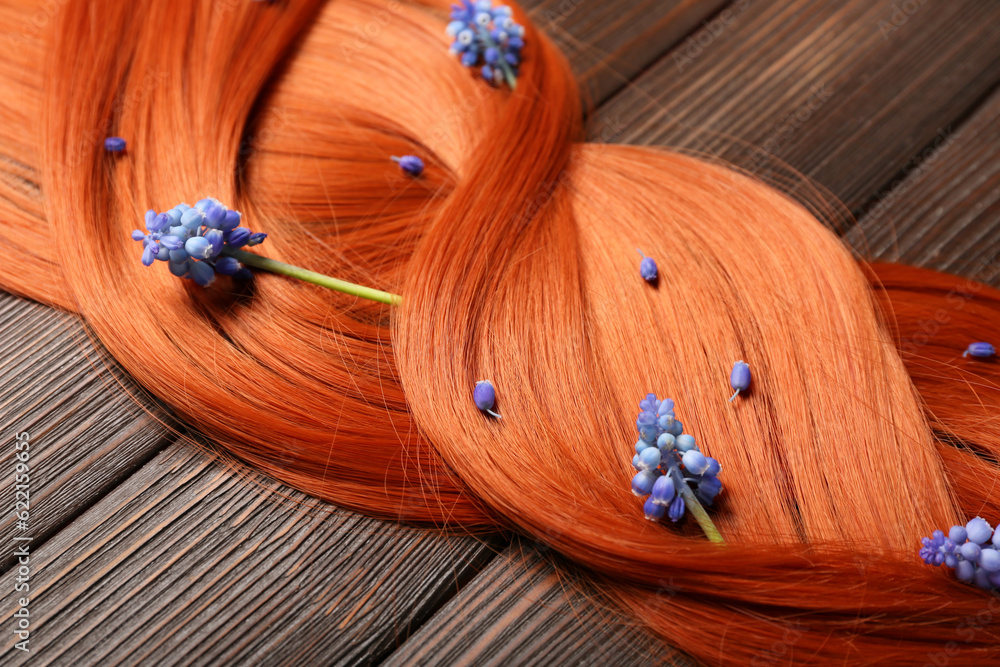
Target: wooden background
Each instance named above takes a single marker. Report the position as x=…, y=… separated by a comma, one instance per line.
x=145, y=551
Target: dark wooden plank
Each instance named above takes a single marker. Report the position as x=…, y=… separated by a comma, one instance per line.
x=837, y=90
x=888, y=98
x=521, y=610
x=609, y=43
x=86, y=433
x=180, y=565
x=943, y=211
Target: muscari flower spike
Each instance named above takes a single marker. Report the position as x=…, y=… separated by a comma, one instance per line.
x=204, y=240
x=487, y=37
x=192, y=241
x=671, y=470
x=972, y=550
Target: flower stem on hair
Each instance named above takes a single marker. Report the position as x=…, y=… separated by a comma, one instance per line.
x=700, y=515
x=274, y=266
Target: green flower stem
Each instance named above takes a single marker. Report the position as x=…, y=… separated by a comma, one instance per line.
x=700, y=515
x=508, y=73
x=274, y=266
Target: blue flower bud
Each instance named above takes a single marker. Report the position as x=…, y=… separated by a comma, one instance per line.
x=957, y=534
x=114, y=144
x=137, y=235
x=647, y=267
x=695, y=462
x=179, y=255
x=970, y=551
x=256, y=238
x=179, y=269
x=410, y=165
x=642, y=483
x=713, y=467
x=676, y=510
x=649, y=404
x=640, y=445
x=484, y=396
x=148, y=255
x=201, y=273
x=981, y=578
x=663, y=490
x=203, y=204
x=649, y=458
x=175, y=215
x=739, y=379
x=665, y=421
x=227, y=266
x=238, y=237
x=171, y=242
x=198, y=247
x=676, y=428
x=646, y=423
x=215, y=215
x=192, y=219
x=635, y=462
x=231, y=222
x=666, y=407
x=979, y=350
x=979, y=530
x=653, y=511
x=708, y=489
x=666, y=441
x=685, y=443
x=989, y=560
x=215, y=239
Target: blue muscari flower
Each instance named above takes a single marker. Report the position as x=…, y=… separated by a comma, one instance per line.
x=485, y=396
x=487, y=34
x=647, y=268
x=410, y=165
x=980, y=351
x=674, y=461
x=969, y=550
x=676, y=510
x=114, y=144
x=739, y=378
x=193, y=240
x=653, y=510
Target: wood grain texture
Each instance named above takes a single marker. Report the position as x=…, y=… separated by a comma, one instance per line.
x=943, y=212
x=86, y=434
x=837, y=90
x=181, y=565
x=521, y=610
x=608, y=43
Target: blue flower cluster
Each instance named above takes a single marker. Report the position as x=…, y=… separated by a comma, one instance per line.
x=973, y=550
x=666, y=459
x=487, y=34
x=192, y=240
